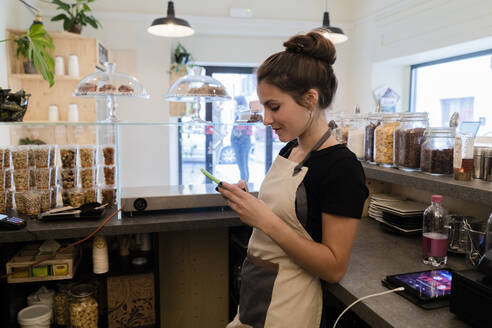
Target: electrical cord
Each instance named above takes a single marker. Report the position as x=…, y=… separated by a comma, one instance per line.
x=66, y=247
x=399, y=289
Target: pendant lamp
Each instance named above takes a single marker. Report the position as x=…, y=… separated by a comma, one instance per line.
x=170, y=26
x=332, y=33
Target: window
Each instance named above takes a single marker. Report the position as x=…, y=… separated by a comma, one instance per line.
x=230, y=152
x=459, y=84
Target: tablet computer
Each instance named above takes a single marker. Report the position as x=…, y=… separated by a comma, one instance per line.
x=428, y=289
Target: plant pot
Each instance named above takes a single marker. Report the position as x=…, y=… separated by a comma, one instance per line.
x=76, y=28
x=29, y=68
x=182, y=58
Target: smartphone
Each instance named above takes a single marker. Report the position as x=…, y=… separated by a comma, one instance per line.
x=210, y=176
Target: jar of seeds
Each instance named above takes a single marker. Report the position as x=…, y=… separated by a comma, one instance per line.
x=83, y=307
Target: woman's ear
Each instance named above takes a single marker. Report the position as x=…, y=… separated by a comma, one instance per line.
x=310, y=98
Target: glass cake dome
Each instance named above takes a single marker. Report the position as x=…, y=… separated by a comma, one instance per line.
x=196, y=88
x=110, y=83
x=195, y=85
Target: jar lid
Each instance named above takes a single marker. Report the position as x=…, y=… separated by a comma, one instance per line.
x=414, y=116
x=440, y=132
x=479, y=150
x=82, y=290
x=374, y=116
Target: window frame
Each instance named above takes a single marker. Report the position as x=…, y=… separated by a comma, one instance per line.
x=413, y=71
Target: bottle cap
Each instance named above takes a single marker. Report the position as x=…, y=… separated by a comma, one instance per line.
x=436, y=198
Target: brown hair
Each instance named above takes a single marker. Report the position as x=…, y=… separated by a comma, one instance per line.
x=305, y=64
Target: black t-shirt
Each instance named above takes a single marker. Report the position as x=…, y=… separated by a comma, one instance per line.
x=335, y=184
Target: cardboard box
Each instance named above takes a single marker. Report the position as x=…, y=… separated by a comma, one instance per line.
x=63, y=266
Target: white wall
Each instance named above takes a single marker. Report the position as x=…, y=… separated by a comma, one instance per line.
x=390, y=35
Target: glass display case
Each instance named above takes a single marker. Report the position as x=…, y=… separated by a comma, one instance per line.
x=101, y=160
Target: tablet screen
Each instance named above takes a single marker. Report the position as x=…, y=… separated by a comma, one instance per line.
x=426, y=284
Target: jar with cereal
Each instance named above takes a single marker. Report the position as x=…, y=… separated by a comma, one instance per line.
x=383, y=139
x=409, y=136
x=372, y=122
x=83, y=307
x=436, y=152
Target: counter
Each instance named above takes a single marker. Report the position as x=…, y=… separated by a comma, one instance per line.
x=376, y=254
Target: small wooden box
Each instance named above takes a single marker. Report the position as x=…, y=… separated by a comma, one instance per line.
x=131, y=301
x=63, y=266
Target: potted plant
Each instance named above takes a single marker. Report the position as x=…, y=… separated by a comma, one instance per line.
x=181, y=57
x=34, y=46
x=75, y=15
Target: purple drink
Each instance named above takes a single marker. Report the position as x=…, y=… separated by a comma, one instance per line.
x=434, y=248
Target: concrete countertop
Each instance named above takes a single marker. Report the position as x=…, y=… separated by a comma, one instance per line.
x=376, y=254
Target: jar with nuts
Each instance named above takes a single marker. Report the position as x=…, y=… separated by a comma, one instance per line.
x=383, y=139
x=83, y=307
x=87, y=155
x=61, y=304
x=68, y=156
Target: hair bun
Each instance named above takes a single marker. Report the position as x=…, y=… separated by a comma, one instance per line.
x=312, y=44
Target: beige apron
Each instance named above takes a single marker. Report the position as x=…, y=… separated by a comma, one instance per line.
x=275, y=291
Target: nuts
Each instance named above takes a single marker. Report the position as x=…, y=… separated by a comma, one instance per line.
x=9, y=196
x=68, y=178
x=68, y=156
x=21, y=180
x=53, y=176
x=83, y=314
x=109, y=175
x=41, y=156
x=53, y=197
x=90, y=195
x=61, y=304
x=42, y=178
x=76, y=197
x=45, y=200
x=32, y=203
x=2, y=180
x=20, y=157
x=20, y=202
x=8, y=178
x=108, y=195
x=53, y=149
x=108, y=153
x=6, y=158
x=2, y=202
x=87, y=156
x=87, y=175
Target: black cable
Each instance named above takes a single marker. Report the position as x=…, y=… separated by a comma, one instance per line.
x=29, y=6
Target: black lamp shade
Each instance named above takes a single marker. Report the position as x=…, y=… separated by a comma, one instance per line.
x=170, y=26
x=332, y=33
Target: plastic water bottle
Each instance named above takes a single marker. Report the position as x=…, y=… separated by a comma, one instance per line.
x=435, y=233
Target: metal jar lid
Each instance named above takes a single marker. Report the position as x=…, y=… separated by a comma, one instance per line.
x=477, y=151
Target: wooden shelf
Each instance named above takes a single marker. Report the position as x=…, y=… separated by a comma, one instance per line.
x=39, y=77
x=477, y=191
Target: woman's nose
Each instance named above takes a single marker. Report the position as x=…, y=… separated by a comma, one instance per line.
x=267, y=118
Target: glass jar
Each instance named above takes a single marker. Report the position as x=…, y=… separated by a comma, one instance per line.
x=61, y=304
x=463, y=157
x=372, y=122
x=82, y=307
x=409, y=136
x=355, y=137
x=383, y=139
x=436, y=152
x=334, y=120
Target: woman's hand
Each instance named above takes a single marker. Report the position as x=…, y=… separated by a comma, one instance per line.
x=251, y=210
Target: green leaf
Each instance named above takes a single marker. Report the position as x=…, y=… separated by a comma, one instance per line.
x=39, y=41
x=59, y=17
x=61, y=5
x=92, y=21
x=67, y=24
x=86, y=7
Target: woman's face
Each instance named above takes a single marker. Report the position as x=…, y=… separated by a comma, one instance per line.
x=286, y=117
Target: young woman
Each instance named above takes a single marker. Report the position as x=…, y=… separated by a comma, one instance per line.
x=305, y=217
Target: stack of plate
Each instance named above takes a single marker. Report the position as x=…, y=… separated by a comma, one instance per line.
x=404, y=216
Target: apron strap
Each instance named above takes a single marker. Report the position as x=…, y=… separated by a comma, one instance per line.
x=299, y=166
